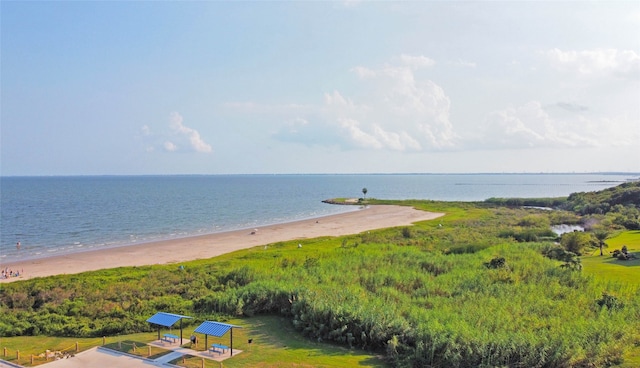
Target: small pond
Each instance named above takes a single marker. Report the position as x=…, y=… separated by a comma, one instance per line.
x=564, y=228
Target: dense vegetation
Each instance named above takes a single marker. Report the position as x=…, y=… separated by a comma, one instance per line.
x=483, y=286
x=616, y=207
x=619, y=205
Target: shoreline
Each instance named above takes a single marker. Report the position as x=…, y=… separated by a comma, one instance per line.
x=200, y=247
x=160, y=239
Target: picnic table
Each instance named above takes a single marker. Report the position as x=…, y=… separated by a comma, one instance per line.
x=214, y=348
x=170, y=336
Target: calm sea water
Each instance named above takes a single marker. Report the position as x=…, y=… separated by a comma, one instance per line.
x=58, y=215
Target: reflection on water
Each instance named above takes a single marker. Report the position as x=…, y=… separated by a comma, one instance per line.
x=564, y=228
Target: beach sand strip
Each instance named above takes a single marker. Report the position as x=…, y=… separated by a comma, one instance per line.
x=211, y=245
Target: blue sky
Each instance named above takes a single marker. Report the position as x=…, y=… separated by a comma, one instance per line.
x=319, y=87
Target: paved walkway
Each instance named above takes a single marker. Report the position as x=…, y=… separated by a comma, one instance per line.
x=100, y=358
x=5, y=364
x=169, y=357
x=218, y=357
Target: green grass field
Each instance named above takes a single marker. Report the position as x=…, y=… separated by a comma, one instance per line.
x=37, y=345
x=274, y=344
x=611, y=269
x=608, y=269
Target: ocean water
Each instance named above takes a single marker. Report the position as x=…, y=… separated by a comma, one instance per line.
x=59, y=215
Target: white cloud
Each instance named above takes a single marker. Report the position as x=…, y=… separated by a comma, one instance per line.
x=175, y=139
x=194, y=139
x=400, y=141
x=407, y=112
x=170, y=146
x=419, y=107
x=147, y=138
x=364, y=72
x=417, y=61
x=336, y=100
x=297, y=123
x=402, y=113
x=257, y=108
x=465, y=64
x=596, y=61
x=350, y=3
x=357, y=135
x=531, y=125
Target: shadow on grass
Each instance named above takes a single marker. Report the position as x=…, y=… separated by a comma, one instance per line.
x=373, y=362
x=141, y=349
x=282, y=335
x=628, y=263
x=184, y=358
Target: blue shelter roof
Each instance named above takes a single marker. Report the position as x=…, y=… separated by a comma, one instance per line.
x=165, y=319
x=214, y=328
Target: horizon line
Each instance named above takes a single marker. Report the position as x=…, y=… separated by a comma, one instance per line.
x=320, y=174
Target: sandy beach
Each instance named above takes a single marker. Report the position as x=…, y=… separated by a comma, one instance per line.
x=207, y=246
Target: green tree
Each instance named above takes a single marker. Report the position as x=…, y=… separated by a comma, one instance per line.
x=601, y=236
x=364, y=191
x=575, y=241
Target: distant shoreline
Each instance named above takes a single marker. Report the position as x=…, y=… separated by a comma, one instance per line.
x=329, y=174
x=212, y=245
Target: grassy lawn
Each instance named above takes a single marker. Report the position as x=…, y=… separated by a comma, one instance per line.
x=274, y=344
x=610, y=269
x=138, y=348
x=37, y=345
x=607, y=268
x=629, y=238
